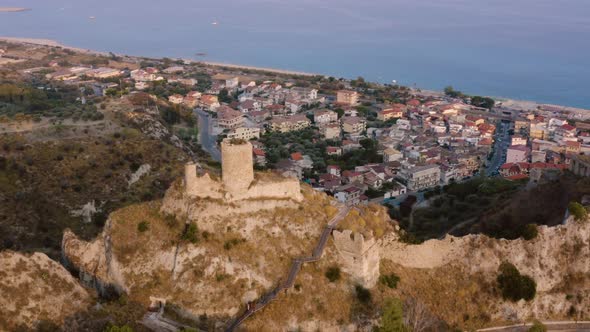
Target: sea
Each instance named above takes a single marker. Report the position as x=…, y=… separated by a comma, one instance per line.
x=520, y=49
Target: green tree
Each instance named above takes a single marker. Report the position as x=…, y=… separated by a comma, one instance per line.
x=363, y=294
x=333, y=273
x=578, y=211
x=143, y=226
x=224, y=96
x=513, y=285
x=191, y=233
x=115, y=328
x=530, y=231
x=393, y=317
x=538, y=327
x=389, y=280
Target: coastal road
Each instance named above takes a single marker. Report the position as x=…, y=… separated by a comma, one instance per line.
x=207, y=140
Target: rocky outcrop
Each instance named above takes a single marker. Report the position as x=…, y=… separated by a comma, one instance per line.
x=35, y=288
x=558, y=259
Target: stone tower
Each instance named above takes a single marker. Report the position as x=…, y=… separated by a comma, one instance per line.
x=237, y=167
x=359, y=256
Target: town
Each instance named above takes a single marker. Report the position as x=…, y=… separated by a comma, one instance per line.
x=355, y=140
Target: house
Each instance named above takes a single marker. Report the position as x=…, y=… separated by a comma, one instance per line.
x=173, y=70
x=331, y=131
x=353, y=125
x=394, y=112
x=259, y=156
x=176, y=99
x=347, y=97
x=391, y=154
x=286, y=124
x=232, y=82
x=349, y=196
x=228, y=118
x=293, y=105
x=209, y=102
x=245, y=133
x=333, y=151
x=348, y=145
x=194, y=94
x=333, y=170
x=397, y=189
x=249, y=105
x=304, y=93
x=190, y=101
x=323, y=117
x=144, y=75
x=141, y=85
x=352, y=176
x=372, y=180
x=303, y=161
x=517, y=154
x=422, y=177
x=518, y=140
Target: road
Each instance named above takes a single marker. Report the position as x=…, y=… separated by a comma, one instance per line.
x=295, y=268
x=502, y=142
x=551, y=326
x=207, y=140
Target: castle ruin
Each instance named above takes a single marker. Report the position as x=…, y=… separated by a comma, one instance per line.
x=359, y=257
x=238, y=181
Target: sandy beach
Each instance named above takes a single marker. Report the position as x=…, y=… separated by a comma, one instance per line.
x=13, y=9
x=518, y=104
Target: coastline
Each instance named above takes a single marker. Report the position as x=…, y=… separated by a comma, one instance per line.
x=13, y=9
x=514, y=103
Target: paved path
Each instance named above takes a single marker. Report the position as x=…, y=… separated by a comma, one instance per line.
x=295, y=267
x=551, y=326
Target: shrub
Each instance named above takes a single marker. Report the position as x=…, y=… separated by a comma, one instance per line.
x=115, y=328
x=389, y=280
x=191, y=233
x=578, y=211
x=333, y=273
x=393, y=317
x=143, y=226
x=530, y=231
x=538, y=327
x=363, y=294
x=513, y=285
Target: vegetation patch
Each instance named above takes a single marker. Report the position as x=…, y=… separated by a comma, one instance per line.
x=513, y=285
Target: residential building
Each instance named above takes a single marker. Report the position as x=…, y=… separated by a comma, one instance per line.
x=286, y=124
x=394, y=112
x=349, y=196
x=517, y=154
x=391, y=154
x=518, y=140
x=209, y=102
x=176, y=99
x=331, y=131
x=347, y=97
x=422, y=177
x=323, y=117
x=244, y=133
x=228, y=118
x=353, y=125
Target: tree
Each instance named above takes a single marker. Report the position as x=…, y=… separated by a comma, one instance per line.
x=538, y=327
x=363, y=294
x=115, y=328
x=191, y=233
x=389, y=280
x=393, y=317
x=530, y=231
x=513, y=285
x=143, y=226
x=224, y=96
x=333, y=273
x=578, y=211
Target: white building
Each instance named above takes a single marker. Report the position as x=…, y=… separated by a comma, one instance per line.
x=244, y=133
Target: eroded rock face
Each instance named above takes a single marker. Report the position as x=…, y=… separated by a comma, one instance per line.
x=35, y=288
x=557, y=258
x=239, y=252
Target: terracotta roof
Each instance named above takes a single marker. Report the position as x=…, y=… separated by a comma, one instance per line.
x=296, y=156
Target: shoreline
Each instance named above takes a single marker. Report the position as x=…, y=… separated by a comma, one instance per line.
x=515, y=103
x=13, y=9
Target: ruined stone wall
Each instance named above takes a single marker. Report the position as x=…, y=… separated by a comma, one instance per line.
x=200, y=186
x=359, y=257
x=286, y=188
x=237, y=166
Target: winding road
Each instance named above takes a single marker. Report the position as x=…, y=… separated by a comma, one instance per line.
x=295, y=268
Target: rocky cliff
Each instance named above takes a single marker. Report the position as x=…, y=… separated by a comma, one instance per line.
x=36, y=289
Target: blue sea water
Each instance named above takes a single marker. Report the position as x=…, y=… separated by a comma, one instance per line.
x=523, y=49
